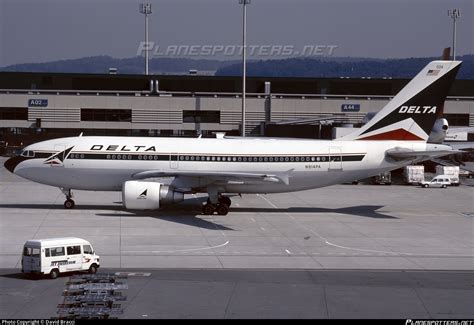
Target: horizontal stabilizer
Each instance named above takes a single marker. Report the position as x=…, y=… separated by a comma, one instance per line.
x=403, y=153
x=463, y=146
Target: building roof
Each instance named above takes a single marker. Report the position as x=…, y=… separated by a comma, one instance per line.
x=213, y=84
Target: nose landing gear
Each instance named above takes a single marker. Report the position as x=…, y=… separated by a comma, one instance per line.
x=69, y=203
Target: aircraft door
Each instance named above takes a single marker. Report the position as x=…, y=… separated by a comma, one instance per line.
x=174, y=161
x=335, y=158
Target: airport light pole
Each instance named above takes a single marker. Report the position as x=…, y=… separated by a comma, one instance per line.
x=145, y=8
x=244, y=59
x=454, y=14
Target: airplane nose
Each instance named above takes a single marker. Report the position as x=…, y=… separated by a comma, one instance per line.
x=11, y=163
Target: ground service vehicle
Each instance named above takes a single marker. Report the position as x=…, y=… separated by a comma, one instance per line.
x=437, y=181
x=382, y=178
x=451, y=171
x=57, y=255
x=414, y=174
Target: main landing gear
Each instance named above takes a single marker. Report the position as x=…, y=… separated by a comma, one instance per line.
x=69, y=203
x=222, y=206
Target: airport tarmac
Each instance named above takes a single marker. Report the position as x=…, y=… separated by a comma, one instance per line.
x=224, y=293
x=405, y=246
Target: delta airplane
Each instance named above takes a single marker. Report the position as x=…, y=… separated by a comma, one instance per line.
x=151, y=172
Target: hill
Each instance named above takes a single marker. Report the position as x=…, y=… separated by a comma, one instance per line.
x=341, y=67
x=135, y=65
x=292, y=67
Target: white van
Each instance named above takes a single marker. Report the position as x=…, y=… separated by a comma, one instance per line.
x=442, y=181
x=57, y=255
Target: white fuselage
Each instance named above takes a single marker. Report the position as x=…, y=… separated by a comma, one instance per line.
x=105, y=163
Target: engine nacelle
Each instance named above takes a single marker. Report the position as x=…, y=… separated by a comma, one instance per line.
x=138, y=195
x=439, y=131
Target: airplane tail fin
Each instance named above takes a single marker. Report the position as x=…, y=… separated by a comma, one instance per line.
x=411, y=114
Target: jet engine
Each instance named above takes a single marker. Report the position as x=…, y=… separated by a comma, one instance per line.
x=139, y=195
x=439, y=131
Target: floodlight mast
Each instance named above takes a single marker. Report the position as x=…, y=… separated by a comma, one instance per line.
x=454, y=14
x=145, y=8
x=244, y=59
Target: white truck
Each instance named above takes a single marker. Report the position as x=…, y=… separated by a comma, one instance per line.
x=451, y=171
x=57, y=255
x=414, y=174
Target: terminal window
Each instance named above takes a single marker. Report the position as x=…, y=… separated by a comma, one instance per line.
x=14, y=113
x=457, y=119
x=201, y=116
x=106, y=115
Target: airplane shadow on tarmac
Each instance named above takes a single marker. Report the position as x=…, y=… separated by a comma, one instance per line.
x=368, y=211
x=189, y=215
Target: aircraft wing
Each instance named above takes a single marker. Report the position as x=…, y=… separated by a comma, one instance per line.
x=218, y=175
x=403, y=153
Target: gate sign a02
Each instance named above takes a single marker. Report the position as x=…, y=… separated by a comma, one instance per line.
x=34, y=102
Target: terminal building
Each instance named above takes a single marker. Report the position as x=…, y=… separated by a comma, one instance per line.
x=38, y=106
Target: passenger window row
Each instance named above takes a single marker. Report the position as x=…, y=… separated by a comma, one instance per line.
x=77, y=156
x=253, y=159
x=208, y=158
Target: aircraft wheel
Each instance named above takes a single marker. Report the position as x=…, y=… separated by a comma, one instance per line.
x=222, y=209
x=208, y=209
x=225, y=200
x=69, y=204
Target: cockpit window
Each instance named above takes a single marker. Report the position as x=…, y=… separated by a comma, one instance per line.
x=28, y=153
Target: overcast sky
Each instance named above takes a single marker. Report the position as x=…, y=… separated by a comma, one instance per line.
x=46, y=30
